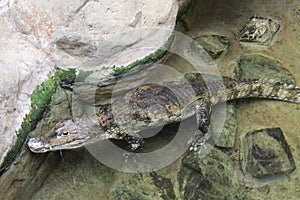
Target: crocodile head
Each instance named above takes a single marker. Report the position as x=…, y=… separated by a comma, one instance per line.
x=64, y=135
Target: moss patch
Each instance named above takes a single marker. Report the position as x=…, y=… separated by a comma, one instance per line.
x=185, y=11
x=40, y=99
x=153, y=57
x=66, y=77
x=184, y=8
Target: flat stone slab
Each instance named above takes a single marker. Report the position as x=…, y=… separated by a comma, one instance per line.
x=266, y=153
x=215, y=45
x=259, y=30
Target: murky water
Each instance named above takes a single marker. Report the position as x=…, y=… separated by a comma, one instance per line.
x=80, y=176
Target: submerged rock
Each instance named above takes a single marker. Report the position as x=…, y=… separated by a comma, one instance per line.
x=266, y=153
x=157, y=187
x=212, y=177
x=164, y=184
x=215, y=45
x=123, y=193
x=256, y=66
x=259, y=30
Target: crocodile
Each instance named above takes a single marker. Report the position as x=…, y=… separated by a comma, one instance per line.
x=153, y=105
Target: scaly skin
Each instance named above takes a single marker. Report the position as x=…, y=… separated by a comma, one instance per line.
x=154, y=105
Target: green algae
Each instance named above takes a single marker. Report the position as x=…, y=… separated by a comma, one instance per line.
x=184, y=12
x=153, y=57
x=67, y=78
x=40, y=99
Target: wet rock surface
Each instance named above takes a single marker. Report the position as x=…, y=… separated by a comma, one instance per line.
x=27, y=174
x=266, y=153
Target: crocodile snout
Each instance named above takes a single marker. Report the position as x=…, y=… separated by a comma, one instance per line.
x=35, y=144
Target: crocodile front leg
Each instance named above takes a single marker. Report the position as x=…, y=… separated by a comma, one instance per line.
x=106, y=121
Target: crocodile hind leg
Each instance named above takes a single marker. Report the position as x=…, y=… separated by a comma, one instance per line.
x=203, y=136
x=135, y=142
x=203, y=110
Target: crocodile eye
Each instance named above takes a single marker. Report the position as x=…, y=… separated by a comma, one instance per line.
x=65, y=133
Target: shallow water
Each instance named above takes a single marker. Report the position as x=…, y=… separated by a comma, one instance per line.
x=80, y=176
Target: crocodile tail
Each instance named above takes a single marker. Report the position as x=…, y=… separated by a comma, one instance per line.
x=261, y=88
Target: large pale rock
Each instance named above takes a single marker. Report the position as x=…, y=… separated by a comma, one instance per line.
x=22, y=68
x=94, y=34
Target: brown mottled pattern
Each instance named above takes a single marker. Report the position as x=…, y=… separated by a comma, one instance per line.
x=153, y=105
